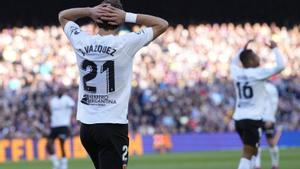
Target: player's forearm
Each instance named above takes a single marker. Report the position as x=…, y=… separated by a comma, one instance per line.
x=279, y=60
x=158, y=25
x=73, y=14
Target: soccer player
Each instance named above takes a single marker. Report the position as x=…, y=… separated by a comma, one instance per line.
x=269, y=126
x=61, y=107
x=105, y=66
x=249, y=81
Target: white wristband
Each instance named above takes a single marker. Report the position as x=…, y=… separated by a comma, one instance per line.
x=130, y=17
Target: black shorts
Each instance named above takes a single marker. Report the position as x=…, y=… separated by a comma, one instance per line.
x=269, y=131
x=249, y=131
x=59, y=132
x=106, y=144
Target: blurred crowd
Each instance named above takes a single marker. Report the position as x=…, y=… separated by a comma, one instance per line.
x=181, y=82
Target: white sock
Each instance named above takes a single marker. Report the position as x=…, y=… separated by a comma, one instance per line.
x=55, y=162
x=253, y=160
x=64, y=163
x=244, y=164
x=258, y=159
x=274, y=154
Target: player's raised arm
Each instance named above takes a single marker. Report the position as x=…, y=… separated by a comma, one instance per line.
x=117, y=16
x=158, y=25
x=279, y=61
x=268, y=72
x=75, y=13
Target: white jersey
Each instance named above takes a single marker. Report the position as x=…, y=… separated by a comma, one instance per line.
x=61, y=110
x=250, y=88
x=105, y=67
x=271, y=105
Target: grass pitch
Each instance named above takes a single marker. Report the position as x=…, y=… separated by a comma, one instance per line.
x=289, y=159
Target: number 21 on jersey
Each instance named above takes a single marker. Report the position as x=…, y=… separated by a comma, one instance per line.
x=108, y=67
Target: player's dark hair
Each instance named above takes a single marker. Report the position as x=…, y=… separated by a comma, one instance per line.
x=246, y=56
x=105, y=25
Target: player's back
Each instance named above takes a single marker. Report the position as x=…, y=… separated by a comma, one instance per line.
x=250, y=94
x=105, y=67
x=105, y=74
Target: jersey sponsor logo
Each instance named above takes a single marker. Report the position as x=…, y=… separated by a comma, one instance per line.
x=98, y=100
x=98, y=49
x=243, y=104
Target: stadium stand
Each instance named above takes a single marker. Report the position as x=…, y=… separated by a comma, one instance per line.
x=195, y=59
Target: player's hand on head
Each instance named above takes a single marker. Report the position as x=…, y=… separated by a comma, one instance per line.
x=272, y=44
x=113, y=16
x=97, y=11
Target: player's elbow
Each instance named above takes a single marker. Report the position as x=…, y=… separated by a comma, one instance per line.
x=164, y=25
x=60, y=16
x=62, y=19
x=160, y=27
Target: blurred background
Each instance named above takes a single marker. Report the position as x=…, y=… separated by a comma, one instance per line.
x=182, y=97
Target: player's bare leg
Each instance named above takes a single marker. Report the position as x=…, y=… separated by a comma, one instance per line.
x=277, y=135
x=64, y=160
x=50, y=150
x=248, y=157
x=273, y=149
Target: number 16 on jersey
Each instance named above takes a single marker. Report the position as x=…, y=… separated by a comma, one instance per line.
x=245, y=91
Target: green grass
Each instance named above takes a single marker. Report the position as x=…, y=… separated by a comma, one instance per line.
x=290, y=159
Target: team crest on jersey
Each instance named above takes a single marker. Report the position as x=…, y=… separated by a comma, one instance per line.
x=98, y=100
x=75, y=30
x=140, y=32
